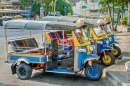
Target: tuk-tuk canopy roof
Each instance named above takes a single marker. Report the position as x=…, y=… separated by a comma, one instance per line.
x=93, y=22
x=60, y=19
x=88, y=22
x=40, y=25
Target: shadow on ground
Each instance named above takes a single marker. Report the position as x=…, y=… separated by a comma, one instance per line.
x=63, y=79
x=1, y=84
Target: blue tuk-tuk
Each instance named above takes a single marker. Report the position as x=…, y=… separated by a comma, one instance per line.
x=25, y=54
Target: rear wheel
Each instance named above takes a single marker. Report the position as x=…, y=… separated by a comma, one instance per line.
x=109, y=59
x=94, y=75
x=116, y=51
x=24, y=71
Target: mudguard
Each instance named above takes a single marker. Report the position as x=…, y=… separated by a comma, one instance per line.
x=106, y=48
x=113, y=42
x=90, y=57
x=13, y=66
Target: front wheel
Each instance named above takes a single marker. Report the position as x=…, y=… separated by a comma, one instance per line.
x=94, y=75
x=24, y=71
x=116, y=51
x=108, y=59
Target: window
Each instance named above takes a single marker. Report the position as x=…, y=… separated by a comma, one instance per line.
x=98, y=31
x=81, y=36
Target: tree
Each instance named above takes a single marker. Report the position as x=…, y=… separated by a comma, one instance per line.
x=60, y=7
x=48, y=5
x=108, y=3
x=26, y=2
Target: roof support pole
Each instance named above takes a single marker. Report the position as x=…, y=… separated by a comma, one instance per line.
x=63, y=40
x=30, y=33
x=45, y=40
x=42, y=35
x=6, y=43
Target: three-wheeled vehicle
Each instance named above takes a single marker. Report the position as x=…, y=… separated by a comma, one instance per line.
x=105, y=25
x=26, y=55
x=111, y=36
x=98, y=38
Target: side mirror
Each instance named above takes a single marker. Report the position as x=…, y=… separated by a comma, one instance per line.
x=81, y=50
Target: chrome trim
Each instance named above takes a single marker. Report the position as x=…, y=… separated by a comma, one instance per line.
x=81, y=50
x=22, y=60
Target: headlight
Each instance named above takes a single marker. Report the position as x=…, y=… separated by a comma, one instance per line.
x=110, y=39
x=92, y=48
x=107, y=41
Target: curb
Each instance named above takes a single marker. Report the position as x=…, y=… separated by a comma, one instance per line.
x=115, y=77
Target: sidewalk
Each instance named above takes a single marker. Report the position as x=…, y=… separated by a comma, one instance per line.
x=116, y=73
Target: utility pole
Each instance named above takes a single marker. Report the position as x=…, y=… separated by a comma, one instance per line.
x=54, y=8
x=42, y=7
x=27, y=9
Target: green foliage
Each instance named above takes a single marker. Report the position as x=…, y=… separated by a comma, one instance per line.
x=36, y=7
x=49, y=6
x=113, y=20
x=60, y=7
x=124, y=20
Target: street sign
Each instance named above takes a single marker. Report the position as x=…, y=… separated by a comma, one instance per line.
x=65, y=8
x=41, y=11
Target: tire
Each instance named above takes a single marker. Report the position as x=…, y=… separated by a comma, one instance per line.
x=110, y=59
x=117, y=50
x=93, y=76
x=24, y=71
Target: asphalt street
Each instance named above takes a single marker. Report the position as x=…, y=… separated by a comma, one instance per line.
x=39, y=78
x=11, y=33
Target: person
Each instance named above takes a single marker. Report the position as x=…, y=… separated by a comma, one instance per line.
x=54, y=48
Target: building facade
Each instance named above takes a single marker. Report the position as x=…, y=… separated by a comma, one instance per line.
x=82, y=7
x=11, y=7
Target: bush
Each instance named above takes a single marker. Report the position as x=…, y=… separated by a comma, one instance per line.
x=124, y=20
x=113, y=20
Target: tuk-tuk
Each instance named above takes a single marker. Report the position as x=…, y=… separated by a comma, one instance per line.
x=98, y=39
x=106, y=27
x=1, y=22
x=25, y=54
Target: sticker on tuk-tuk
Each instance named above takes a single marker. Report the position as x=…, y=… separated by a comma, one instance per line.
x=10, y=48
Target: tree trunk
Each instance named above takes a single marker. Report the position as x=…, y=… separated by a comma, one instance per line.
x=118, y=19
x=110, y=16
x=128, y=13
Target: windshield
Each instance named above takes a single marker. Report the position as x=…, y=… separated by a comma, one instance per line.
x=108, y=28
x=98, y=31
x=81, y=36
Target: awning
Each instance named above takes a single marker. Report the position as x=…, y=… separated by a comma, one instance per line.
x=39, y=25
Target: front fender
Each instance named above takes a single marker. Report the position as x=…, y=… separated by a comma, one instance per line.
x=106, y=48
x=113, y=42
x=90, y=57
